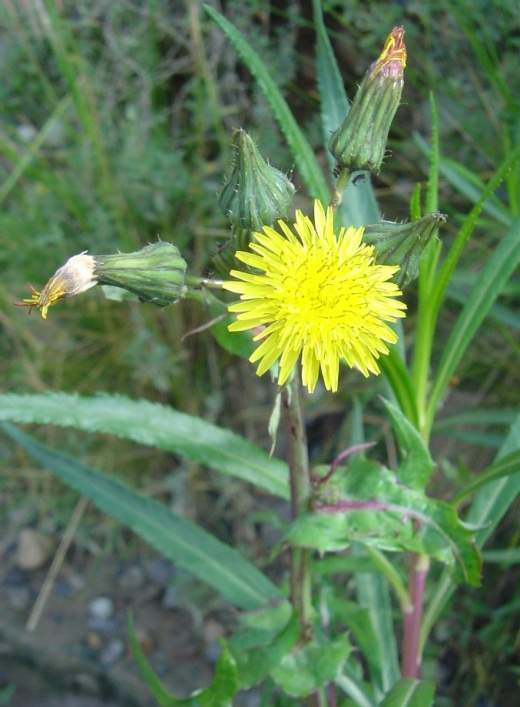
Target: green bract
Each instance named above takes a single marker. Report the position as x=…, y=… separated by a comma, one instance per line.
x=255, y=194
x=403, y=243
x=156, y=273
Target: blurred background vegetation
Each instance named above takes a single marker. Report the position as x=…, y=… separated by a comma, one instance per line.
x=115, y=123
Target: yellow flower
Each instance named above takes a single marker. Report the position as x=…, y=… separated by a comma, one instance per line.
x=317, y=295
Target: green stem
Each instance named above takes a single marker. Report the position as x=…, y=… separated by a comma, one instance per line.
x=300, y=486
x=194, y=281
x=341, y=185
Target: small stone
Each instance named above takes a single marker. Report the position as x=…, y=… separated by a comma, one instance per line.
x=101, y=608
x=112, y=652
x=33, y=549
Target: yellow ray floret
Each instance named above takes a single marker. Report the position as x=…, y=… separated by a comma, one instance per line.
x=317, y=295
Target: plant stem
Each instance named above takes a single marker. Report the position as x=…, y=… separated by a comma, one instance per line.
x=339, y=188
x=300, y=486
x=411, y=652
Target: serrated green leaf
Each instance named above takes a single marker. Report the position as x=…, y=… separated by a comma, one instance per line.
x=390, y=524
x=258, y=652
x=174, y=537
x=311, y=666
x=410, y=693
x=416, y=465
x=156, y=426
x=304, y=156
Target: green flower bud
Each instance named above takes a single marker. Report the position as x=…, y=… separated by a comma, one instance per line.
x=156, y=273
x=255, y=194
x=403, y=243
x=360, y=141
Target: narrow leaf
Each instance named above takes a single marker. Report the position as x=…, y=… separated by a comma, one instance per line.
x=506, y=466
x=416, y=464
x=304, y=156
x=410, y=693
x=488, y=287
x=466, y=230
x=175, y=538
x=156, y=426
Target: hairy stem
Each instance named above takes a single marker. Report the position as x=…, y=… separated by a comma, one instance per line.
x=411, y=651
x=300, y=484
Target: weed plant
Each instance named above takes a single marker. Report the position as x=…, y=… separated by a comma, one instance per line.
x=116, y=120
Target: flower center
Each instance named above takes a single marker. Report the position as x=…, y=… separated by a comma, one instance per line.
x=321, y=297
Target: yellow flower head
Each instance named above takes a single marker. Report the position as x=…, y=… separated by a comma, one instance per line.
x=317, y=295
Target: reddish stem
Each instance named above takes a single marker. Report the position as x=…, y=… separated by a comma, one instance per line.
x=340, y=458
x=411, y=653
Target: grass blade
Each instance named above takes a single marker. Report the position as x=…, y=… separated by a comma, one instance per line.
x=490, y=283
x=180, y=540
x=30, y=154
x=506, y=466
x=467, y=183
x=467, y=228
x=304, y=156
x=153, y=425
x=399, y=380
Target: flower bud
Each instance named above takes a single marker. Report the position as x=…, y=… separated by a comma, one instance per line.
x=403, y=243
x=156, y=273
x=360, y=141
x=255, y=194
